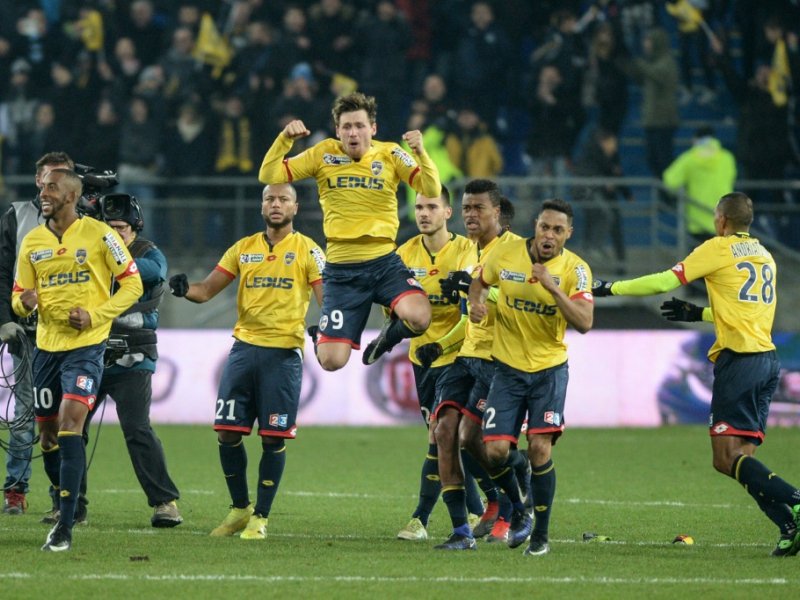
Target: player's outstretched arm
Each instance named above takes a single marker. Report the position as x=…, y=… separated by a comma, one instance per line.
x=200, y=292
x=647, y=285
x=681, y=310
x=427, y=182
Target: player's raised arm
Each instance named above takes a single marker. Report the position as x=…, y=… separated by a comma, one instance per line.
x=426, y=181
x=272, y=168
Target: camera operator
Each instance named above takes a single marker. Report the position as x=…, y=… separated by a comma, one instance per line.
x=15, y=224
x=128, y=379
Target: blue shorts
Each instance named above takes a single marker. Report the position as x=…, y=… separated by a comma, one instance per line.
x=742, y=391
x=68, y=375
x=465, y=387
x=427, y=382
x=514, y=393
x=259, y=383
x=349, y=290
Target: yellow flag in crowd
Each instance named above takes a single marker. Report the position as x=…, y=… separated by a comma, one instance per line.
x=212, y=48
x=91, y=28
x=780, y=76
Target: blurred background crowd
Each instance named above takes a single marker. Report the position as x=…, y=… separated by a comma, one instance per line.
x=156, y=89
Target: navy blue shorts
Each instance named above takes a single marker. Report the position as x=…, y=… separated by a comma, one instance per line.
x=260, y=383
x=349, y=290
x=465, y=387
x=69, y=375
x=427, y=382
x=742, y=391
x=514, y=393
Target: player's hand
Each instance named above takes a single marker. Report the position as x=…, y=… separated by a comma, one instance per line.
x=29, y=298
x=79, y=318
x=179, y=285
x=601, y=288
x=414, y=141
x=296, y=129
x=428, y=353
x=477, y=312
x=457, y=281
x=681, y=310
x=11, y=335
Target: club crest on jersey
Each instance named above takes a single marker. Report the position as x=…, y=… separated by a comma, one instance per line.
x=40, y=255
x=419, y=271
x=376, y=167
x=85, y=383
x=552, y=417
x=245, y=259
x=336, y=159
x=80, y=256
x=289, y=257
x=276, y=420
x=506, y=275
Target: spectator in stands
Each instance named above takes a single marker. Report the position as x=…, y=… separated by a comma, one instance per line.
x=553, y=126
x=256, y=63
x=300, y=100
x=481, y=62
x=104, y=131
x=332, y=24
x=435, y=103
x=602, y=214
x=694, y=49
x=295, y=43
x=38, y=44
x=471, y=147
x=705, y=172
x=609, y=82
x=382, y=40
x=145, y=31
x=183, y=76
x=17, y=112
x=657, y=73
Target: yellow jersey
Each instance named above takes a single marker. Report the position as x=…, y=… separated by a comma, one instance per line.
x=428, y=269
x=479, y=336
x=741, y=278
x=74, y=271
x=358, y=198
x=529, y=331
x=274, y=287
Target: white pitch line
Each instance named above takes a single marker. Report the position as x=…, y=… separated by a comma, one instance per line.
x=776, y=581
x=363, y=496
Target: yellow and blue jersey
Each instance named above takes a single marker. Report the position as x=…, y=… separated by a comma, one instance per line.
x=428, y=269
x=76, y=270
x=274, y=287
x=358, y=198
x=529, y=329
x=741, y=278
x=479, y=336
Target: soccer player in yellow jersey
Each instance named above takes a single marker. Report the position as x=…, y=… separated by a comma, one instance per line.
x=462, y=389
x=357, y=179
x=431, y=255
x=65, y=269
x=278, y=269
x=741, y=278
x=543, y=287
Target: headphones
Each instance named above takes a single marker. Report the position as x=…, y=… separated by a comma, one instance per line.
x=122, y=207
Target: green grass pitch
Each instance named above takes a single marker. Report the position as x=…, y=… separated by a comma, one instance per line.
x=347, y=491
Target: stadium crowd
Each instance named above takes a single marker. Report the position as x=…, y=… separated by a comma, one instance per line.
x=184, y=88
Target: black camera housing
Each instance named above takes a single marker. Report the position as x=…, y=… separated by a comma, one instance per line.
x=121, y=207
x=94, y=186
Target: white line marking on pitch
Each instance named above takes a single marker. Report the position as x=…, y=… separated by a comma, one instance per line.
x=380, y=579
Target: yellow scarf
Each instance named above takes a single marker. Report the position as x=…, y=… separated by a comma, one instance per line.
x=779, y=77
x=233, y=155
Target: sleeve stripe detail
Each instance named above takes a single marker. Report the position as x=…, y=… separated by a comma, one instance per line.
x=680, y=273
x=288, y=170
x=225, y=272
x=411, y=177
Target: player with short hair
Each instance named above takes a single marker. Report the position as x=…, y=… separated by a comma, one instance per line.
x=278, y=269
x=543, y=287
x=463, y=388
x=430, y=255
x=357, y=178
x=65, y=269
x=15, y=224
x=741, y=279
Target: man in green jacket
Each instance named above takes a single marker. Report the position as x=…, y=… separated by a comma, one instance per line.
x=706, y=172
